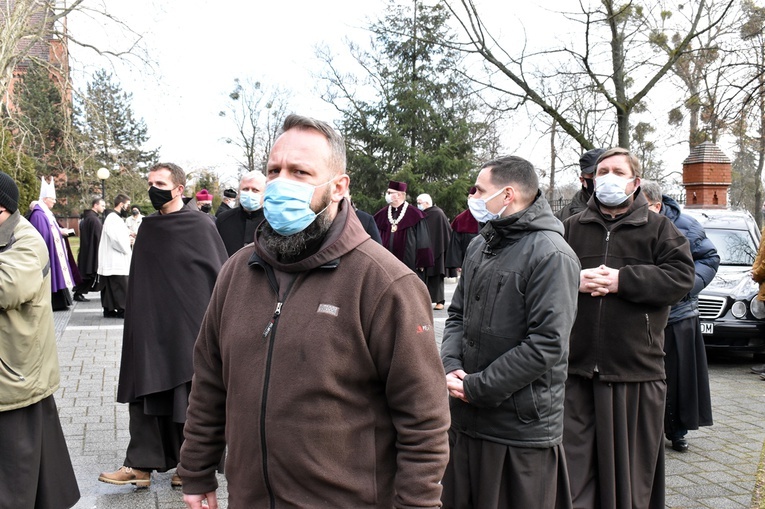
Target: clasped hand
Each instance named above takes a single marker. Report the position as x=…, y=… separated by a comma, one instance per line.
x=454, y=384
x=599, y=281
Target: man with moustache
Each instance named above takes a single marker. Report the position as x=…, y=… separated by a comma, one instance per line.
x=316, y=363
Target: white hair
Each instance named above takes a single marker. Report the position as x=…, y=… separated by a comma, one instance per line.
x=253, y=175
x=426, y=198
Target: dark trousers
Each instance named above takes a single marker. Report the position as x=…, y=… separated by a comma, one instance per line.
x=155, y=440
x=35, y=468
x=483, y=474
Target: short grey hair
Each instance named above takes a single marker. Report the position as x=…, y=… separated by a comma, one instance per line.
x=651, y=190
x=250, y=175
x=336, y=142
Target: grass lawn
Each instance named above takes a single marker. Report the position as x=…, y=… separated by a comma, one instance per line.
x=74, y=243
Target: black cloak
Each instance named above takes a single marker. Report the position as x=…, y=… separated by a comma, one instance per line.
x=440, y=233
x=175, y=263
x=90, y=236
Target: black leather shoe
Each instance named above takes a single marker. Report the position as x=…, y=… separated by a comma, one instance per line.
x=680, y=445
x=758, y=369
x=81, y=298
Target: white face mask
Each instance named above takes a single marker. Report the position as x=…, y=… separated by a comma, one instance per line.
x=478, y=208
x=388, y=198
x=610, y=189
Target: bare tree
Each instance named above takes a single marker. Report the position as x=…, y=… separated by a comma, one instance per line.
x=750, y=128
x=701, y=71
x=257, y=113
x=616, y=56
x=36, y=31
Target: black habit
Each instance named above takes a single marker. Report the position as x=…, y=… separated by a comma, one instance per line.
x=439, y=232
x=224, y=207
x=175, y=263
x=368, y=222
x=464, y=229
x=237, y=227
x=87, y=257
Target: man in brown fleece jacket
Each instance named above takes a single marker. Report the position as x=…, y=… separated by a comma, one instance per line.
x=316, y=363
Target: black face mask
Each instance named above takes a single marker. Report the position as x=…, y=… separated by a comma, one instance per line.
x=123, y=213
x=205, y=208
x=159, y=197
x=135, y=212
x=589, y=186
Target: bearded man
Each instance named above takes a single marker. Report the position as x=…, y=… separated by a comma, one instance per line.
x=316, y=363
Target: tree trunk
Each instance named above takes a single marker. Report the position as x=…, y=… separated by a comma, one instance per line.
x=761, y=144
x=553, y=156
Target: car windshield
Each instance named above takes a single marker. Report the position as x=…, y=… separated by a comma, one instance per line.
x=735, y=247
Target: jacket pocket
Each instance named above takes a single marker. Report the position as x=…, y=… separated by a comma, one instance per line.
x=526, y=404
x=14, y=374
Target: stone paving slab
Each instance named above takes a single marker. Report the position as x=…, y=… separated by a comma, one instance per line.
x=718, y=472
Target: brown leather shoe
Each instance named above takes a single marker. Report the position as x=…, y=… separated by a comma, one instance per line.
x=127, y=475
x=175, y=481
x=438, y=306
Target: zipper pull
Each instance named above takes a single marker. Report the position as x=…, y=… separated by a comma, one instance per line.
x=608, y=235
x=270, y=325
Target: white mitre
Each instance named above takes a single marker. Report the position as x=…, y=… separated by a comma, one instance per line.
x=47, y=190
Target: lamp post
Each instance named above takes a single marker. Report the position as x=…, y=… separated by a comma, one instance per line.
x=103, y=174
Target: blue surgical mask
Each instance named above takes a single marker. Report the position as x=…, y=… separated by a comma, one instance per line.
x=609, y=189
x=478, y=208
x=287, y=205
x=249, y=200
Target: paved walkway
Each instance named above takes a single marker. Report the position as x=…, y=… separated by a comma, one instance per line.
x=717, y=473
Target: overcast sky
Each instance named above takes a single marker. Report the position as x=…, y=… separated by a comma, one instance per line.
x=198, y=48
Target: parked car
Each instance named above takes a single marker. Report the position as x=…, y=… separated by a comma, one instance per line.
x=731, y=316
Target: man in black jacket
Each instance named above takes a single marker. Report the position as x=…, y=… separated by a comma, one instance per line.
x=228, y=202
x=635, y=265
x=505, y=347
x=237, y=226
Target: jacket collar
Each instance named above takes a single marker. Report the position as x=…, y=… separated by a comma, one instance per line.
x=636, y=214
x=537, y=216
x=345, y=234
x=7, y=229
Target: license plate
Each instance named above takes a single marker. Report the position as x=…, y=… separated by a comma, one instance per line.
x=707, y=328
